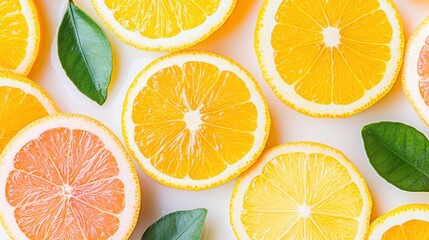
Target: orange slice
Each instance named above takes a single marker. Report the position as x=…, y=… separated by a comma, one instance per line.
x=305, y=191
x=67, y=176
x=19, y=35
x=167, y=25
x=329, y=58
x=415, y=72
x=195, y=120
x=21, y=102
x=408, y=222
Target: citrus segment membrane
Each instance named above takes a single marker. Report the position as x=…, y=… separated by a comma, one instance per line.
x=301, y=191
x=66, y=179
x=194, y=117
x=329, y=58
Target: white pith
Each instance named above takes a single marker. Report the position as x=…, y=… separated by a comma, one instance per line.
x=332, y=36
x=193, y=120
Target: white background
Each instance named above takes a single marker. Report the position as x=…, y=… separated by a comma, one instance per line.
x=235, y=40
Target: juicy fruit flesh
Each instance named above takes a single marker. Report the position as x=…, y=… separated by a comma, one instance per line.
x=161, y=19
x=299, y=196
x=332, y=52
x=17, y=109
x=423, y=71
x=413, y=229
x=13, y=35
x=64, y=186
x=193, y=120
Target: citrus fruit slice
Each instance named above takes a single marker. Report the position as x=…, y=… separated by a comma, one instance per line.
x=301, y=191
x=163, y=25
x=21, y=102
x=195, y=120
x=19, y=35
x=67, y=176
x=403, y=223
x=415, y=72
x=329, y=58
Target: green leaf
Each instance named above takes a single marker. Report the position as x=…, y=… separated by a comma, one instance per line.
x=399, y=153
x=181, y=225
x=85, y=53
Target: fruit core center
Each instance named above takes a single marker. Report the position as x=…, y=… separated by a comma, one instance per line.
x=67, y=190
x=304, y=211
x=193, y=120
x=331, y=36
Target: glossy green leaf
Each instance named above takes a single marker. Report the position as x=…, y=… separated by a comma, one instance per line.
x=85, y=54
x=399, y=153
x=181, y=225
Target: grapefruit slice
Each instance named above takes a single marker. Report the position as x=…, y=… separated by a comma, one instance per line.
x=67, y=176
x=415, y=72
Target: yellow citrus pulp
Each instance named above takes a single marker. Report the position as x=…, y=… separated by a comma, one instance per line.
x=166, y=25
x=302, y=191
x=19, y=35
x=329, y=58
x=21, y=102
x=408, y=222
x=194, y=120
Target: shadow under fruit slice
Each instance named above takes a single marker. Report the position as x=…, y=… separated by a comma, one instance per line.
x=301, y=191
x=329, y=58
x=166, y=25
x=21, y=102
x=403, y=223
x=195, y=120
x=19, y=35
x=67, y=176
x=415, y=72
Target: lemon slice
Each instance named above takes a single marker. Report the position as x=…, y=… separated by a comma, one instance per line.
x=19, y=35
x=195, y=120
x=329, y=58
x=408, y=222
x=302, y=191
x=167, y=25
